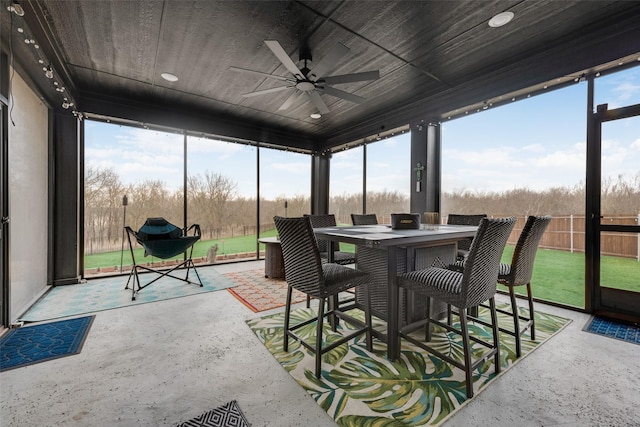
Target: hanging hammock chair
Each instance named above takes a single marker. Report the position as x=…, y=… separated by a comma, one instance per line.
x=163, y=240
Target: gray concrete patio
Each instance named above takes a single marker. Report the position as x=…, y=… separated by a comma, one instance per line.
x=161, y=363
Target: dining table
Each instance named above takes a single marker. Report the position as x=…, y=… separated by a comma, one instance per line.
x=384, y=252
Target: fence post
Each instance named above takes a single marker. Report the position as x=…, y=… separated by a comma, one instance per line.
x=571, y=230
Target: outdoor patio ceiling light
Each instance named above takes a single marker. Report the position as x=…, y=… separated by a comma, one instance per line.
x=169, y=77
x=501, y=19
x=315, y=115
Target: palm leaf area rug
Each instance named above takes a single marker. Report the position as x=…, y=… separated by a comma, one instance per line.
x=362, y=388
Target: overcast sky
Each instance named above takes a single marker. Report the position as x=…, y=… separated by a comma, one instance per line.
x=536, y=143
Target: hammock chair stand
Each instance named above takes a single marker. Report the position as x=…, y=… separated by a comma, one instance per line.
x=163, y=240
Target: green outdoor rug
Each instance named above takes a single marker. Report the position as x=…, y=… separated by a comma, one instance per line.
x=361, y=388
x=108, y=293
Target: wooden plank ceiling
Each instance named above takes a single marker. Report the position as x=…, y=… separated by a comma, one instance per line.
x=433, y=57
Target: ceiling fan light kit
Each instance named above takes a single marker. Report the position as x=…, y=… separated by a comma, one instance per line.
x=306, y=82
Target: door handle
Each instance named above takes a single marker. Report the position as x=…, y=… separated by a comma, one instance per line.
x=5, y=220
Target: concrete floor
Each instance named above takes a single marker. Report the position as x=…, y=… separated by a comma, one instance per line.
x=161, y=363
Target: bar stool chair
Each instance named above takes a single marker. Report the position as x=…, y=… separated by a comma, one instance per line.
x=464, y=219
x=306, y=272
x=519, y=273
x=463, y=289
x=339, y=257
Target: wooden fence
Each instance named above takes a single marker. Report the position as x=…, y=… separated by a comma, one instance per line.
x=568, y=233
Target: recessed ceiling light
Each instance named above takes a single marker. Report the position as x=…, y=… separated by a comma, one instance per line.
x=169, y=77
x=501, y=19
x=315, y=115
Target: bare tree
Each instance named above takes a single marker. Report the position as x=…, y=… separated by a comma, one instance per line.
x=210, y=194
x=102, y=194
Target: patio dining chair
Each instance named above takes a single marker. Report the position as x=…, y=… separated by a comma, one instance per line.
x=463, y=289
x=329, y=220
x=519, y=273
x=306, y=273
x=364, y=219
x=339, y=257
x=463, y=219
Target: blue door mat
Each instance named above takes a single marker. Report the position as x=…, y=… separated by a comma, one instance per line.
x=613, y=329
x=46, y=341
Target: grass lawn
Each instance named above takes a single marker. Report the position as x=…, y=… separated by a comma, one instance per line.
x=232, y=245
x=558, y=276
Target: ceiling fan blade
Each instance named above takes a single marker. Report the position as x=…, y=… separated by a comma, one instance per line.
x=315, y=97
x=330, y=59
x=342, y=94
x=279, y=52
x=290, y=100
x=264, y=91
x=260, y=73
x=349, y=78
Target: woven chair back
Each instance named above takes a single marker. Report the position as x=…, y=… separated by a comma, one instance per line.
x=524, y=254
x=481, y=267
x=364, y=219
x=321, y=221
x=302, y=265
x=461, y=219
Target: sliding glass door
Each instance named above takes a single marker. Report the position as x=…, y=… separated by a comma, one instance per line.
x=616, y=218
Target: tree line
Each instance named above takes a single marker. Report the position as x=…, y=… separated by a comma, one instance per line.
x=214, y=203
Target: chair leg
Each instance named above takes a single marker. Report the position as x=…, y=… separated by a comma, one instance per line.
x=467, y=352
x=333, y=303
x=319, y=337
x=516, y=320
x=308, y=301
x=427, y=327
x=367, y=317
x=532, y=316
x=449, y=315
x=496, y=336
x=287, y=314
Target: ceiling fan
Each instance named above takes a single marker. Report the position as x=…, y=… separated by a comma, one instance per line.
x=311, y=82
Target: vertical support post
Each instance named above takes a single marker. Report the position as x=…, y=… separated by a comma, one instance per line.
x=571, y=230
x=364, y=178
x=592, y=205
x=258, y=200
x=426, y=149
x=184, y=182
x=320, y=164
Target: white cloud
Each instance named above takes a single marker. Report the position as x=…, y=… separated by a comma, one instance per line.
x=208, y=146
x=625, y=91
x=291, y=167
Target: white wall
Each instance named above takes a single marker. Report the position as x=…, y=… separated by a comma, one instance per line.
x=28, y=198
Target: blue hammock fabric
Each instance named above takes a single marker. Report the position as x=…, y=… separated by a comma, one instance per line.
x=163, y=240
